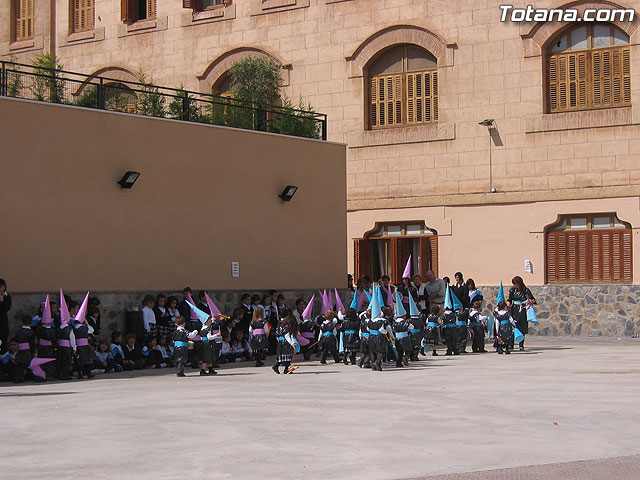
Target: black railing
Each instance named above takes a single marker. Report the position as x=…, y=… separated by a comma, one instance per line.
x=69, y=88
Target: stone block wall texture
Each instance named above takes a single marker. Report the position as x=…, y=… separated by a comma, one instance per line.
x=562, y=310
x=487, y=69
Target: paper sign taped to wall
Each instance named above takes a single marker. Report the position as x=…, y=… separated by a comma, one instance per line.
x=235, y=269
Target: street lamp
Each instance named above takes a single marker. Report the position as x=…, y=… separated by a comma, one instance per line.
x=489, y=123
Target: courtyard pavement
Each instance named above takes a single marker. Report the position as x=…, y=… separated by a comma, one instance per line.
x=565, y=408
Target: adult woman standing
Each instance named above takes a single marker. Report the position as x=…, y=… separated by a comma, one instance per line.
x=520, y=297
x=461, y=290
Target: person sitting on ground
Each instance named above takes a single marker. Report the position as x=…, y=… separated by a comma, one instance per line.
x=132, y=355
x=152, y=356
x=240, y=347
x=117, y=352
x=8, y=363
x=226, y=355
x=166, y=350
x=103, y=362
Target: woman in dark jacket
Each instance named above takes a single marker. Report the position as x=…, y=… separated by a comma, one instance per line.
x=520, y=297
x=461, y=291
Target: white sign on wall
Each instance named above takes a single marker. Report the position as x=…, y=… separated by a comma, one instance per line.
x=235, y=269
x=528, y=267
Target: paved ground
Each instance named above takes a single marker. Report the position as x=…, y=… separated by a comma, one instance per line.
x=565, y=409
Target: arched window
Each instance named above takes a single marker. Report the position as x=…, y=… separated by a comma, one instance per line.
x=386, y=249
x=403, y=87
x=119, y=97
x=588, y=68
x=594, y=248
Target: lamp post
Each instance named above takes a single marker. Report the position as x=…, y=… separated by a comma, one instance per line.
x=489, y=123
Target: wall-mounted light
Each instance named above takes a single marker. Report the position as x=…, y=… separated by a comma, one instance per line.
x=489, y=122
x=288, y=193
x=128, y=179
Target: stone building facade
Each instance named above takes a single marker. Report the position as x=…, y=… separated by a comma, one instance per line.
x=547, y=189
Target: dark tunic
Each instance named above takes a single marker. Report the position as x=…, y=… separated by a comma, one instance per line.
x=505, y=331
x=327, y=337
x=431, y=329
x=81, y=331
x=259, y=341
x=25, y=337
x=46, y=335
x=180, y=352
x=64, y=352
x=462, y=317
x=364, y=334
x=350, y=331
x=417, y=333
x=519, y=312
x=377, y=340
x=285, y=350
x=308, y=330
x=207, y=349
x=400, y=327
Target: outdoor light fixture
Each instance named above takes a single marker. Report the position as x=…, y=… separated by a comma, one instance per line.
x=288, y=193
x=128, y=179
x=489, y=122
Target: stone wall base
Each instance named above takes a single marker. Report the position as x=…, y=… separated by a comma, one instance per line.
x=562, y=310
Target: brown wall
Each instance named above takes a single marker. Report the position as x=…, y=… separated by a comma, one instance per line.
x=206, y=196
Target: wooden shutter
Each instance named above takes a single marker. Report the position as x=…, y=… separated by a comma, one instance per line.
x=611, y=77
x=362, y=258
x=589, y=257
x=83, y=15
x=386, y=101
x=422, y=97
x=128, y=11
x=424, y=262
x=568, y=81
x=151, y=8
x=23, y=21
x=399, y=256
x=433, y=243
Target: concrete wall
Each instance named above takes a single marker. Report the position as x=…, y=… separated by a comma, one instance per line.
x=206, y=196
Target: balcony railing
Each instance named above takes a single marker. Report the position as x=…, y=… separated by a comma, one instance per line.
x=69, y=88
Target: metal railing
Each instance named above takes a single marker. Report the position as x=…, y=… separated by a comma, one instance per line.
x=70, y=88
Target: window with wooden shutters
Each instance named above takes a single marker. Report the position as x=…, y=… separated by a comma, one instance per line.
x=595, y=248
x=134, y=10
x=403, y=88
x=588, y=67
x=23, y=15
x=388, y=247
x=82, y=15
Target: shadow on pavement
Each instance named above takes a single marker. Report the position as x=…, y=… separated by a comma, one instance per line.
x=39, y=394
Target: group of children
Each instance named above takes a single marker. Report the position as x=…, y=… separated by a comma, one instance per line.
x=361, y=335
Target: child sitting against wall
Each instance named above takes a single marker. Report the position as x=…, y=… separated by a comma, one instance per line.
x=240, y=347
x=133, y=359
x=152, y=356
x=103, y=362
x=117, y=353
x=166, y=350
x=226, y=355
